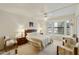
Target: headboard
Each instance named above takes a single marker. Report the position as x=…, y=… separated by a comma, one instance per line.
x=29, y=31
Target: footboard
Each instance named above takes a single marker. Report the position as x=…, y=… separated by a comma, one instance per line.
x=37, y=43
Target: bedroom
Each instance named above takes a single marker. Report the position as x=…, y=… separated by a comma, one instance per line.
x=37, y=29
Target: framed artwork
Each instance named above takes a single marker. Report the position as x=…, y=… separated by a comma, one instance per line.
x=31, y=24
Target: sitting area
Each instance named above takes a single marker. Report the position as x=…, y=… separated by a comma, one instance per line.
x=68, y=47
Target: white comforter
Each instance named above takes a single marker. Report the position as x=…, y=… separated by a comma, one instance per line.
x=44, y=38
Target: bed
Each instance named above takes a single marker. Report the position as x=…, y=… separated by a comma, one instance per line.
x=39, y=40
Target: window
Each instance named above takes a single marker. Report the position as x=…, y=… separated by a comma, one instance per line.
x=68, y=27
x=58, y=27
x=50, y=28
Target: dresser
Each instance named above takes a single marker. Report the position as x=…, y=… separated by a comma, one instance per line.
x=21, y=40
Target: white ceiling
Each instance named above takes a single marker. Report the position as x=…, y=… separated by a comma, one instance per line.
x=31, y=9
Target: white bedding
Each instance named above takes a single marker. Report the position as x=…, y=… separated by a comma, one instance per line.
x=46, y=39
